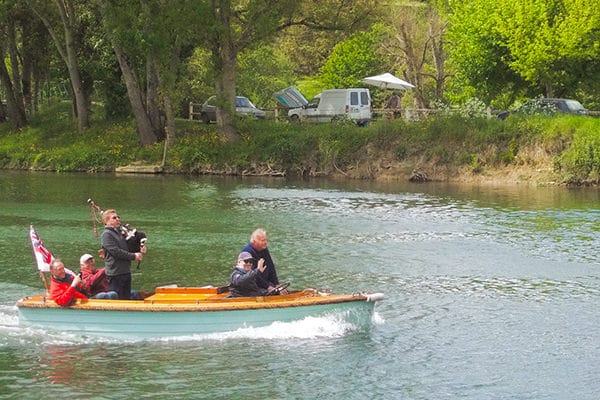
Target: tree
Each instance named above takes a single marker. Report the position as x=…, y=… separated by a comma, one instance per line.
x=11, y=79
x=354, y=59
x=233, y=27
x=476, y=52
x=311, y=35
x=36, y=56
x=549, y=40
x=262, y=72
x=149, y=39
x=415, y=42
x=64, y=14
x=236, y=25
x=503, y=50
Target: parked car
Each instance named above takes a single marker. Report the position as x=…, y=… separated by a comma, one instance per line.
x=243, y=106
x=331, y=104
x=548, y=106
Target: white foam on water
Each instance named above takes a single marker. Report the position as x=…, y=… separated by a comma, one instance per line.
x=331, y=326
x=377, y=319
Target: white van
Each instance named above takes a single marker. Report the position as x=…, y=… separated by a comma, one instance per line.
x=331, y=104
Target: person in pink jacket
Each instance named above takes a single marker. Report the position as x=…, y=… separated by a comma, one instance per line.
x=94, y=280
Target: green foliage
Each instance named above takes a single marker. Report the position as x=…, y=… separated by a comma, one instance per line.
x=506, y=50
x=262, y=72
x=580, y=162
x=353, y=60
x=52, y=142
x=508, y=156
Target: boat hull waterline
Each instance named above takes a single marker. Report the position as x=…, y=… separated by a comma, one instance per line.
x=189, y=311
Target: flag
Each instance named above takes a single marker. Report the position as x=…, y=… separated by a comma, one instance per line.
x=42, y=256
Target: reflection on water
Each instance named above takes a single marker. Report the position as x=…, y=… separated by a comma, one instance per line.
x=490, y=292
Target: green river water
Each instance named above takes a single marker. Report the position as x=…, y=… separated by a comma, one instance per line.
x=490, y=292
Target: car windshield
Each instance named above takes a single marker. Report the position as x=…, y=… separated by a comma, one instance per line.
x=574, y=105
x=243, y=102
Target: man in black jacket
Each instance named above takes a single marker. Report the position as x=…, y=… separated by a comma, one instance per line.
x=243, y=278
x=117, y=257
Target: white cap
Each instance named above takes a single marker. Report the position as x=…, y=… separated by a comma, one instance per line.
x=84, y=258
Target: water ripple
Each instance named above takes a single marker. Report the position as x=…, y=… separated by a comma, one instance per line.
x=520, y=288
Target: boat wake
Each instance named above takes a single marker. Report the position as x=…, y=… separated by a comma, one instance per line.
x=329, y=326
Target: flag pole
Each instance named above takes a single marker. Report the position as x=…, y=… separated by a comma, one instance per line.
x=42, y=256
x=44, y=279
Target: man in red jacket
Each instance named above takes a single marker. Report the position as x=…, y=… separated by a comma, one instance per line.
x=64, y=287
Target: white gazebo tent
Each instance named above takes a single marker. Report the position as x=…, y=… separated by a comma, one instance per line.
x=388, y=81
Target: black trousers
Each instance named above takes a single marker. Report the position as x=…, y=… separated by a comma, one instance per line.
x=121, y=284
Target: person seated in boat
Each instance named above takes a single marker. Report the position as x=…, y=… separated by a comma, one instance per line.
x=267, y=279
x=243, y=280
x=65, y=287
x=96, y=282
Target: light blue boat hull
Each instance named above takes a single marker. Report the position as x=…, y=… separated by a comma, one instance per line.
x=156, y=324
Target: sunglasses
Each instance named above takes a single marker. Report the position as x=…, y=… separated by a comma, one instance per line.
x=248, y=261
x=114, y=217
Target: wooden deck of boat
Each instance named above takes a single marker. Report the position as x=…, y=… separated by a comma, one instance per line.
x=198, y=300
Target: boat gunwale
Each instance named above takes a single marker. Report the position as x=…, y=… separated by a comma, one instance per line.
x=309, y=297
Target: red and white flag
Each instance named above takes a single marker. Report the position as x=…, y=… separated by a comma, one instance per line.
x=42, y=256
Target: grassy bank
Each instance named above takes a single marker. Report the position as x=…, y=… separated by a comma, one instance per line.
x=539, y=150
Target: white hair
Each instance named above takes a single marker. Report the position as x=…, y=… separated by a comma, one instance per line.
x=257, y=232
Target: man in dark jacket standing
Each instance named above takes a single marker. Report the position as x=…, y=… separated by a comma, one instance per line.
x=117, y=257
x=267, y=279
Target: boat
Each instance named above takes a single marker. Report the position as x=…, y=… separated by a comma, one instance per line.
x=186, y=311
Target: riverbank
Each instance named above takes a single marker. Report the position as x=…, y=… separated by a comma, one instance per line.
x=563, y=150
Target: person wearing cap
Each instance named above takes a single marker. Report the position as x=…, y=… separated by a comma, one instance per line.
x=243, y=280
x=94, y=280
x=257, y=247
x=117, y=256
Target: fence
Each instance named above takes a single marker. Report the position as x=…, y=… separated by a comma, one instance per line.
x=278, y=113
x=409, y=114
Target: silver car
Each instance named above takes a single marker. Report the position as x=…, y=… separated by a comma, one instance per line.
x=548, y=106
x=243, y=106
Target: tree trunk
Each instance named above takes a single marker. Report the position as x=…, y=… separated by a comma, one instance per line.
x=226, y=84
x=15, y=114
x=413, y=63
x=144, y=126
x=14, y=65
x=170, y=118
x=68, y=20
x=436, y=35
x=152, y=102
x=69, y=55
x=168, y=88
x=224, y=54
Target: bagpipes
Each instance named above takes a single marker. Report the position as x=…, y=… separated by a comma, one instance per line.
x=135, y=239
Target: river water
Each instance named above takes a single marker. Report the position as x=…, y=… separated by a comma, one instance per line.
x=490, y=292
